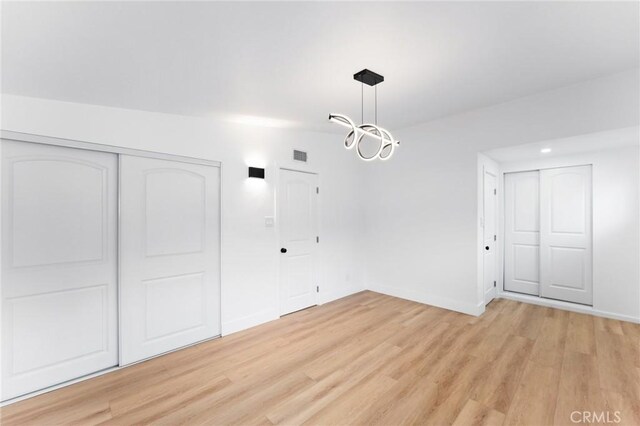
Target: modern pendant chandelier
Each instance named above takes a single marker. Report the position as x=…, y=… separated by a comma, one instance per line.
x=357, y=134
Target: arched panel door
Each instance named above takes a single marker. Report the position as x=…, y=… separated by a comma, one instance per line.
x=169, y=255
x=59, y=265
x=565, y=234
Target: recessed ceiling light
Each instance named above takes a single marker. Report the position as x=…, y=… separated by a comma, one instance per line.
x=545, y=150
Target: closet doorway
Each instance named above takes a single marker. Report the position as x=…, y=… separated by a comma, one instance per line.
x=169, y=255
x=110, y=256
x=59, y=265
x=547, y=244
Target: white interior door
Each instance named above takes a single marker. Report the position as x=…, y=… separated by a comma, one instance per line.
x=297, y=201
x=59, y=265
x=170, y=255
x=490, y=203
x=565, y=234
x=522, y=232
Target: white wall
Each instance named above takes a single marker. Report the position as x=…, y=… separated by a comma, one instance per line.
x=421, y=208
x=616, y=223
x=249, y=249
x=406, y=227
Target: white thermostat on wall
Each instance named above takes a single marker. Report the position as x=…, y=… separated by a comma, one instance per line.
x=269, y=222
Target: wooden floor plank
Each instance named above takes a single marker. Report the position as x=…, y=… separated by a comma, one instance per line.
x=535, y=400
x=529, y=322
x=616, y=364
x=579, y=388
x=371, y=359
x=500, y=386
x=407, y=402
x=301, y=407
x=476, y=414
x=549, y=347
x=608, y=325
x=581, y=335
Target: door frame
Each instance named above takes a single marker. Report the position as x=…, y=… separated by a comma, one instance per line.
x=488, y=164
x=493, y=171
x=90, y=146
x=278, y=230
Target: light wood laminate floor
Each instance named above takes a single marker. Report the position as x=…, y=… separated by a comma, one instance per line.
x=373, y=359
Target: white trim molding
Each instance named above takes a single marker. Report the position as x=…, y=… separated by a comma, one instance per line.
x=565, y=306
x=249, y=321
x=440, y=302
x=48, y=140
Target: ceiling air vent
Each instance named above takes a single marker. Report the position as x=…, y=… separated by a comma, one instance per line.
x=299, y=155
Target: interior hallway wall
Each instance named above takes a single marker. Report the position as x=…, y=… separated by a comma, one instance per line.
x=250, y=250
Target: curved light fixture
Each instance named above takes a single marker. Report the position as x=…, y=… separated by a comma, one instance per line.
x=386, y=142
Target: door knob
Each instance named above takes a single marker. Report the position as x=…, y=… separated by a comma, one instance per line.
x=283, y=250
x=486, y=247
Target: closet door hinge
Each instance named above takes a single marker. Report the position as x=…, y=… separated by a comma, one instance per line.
x=317, y=289
x=495, y=191
x=317, y=239
x=317, y=189
x=494, y=283
x=494, y=238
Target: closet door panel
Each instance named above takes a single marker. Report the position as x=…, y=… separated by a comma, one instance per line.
x=565, y=261
x=59, y=265
x=522, y=232
x=170, y=242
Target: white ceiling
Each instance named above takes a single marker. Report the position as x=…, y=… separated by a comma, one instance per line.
x=294, y=61
x=580, y=144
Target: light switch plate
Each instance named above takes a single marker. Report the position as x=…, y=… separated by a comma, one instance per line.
x=269, y=222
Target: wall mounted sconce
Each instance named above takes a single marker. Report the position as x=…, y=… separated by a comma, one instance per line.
x=256, y=172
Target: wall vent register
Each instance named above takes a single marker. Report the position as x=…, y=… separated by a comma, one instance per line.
x=299, y=155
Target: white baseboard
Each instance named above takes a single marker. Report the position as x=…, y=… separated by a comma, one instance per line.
x=244, y=323
x=253, y=320
x=440, y=302
x=339, y=294
x=481, y=308
x=96, y=374
x=566, y=306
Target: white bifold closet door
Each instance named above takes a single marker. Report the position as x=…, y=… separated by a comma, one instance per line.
x=59, y=265
x=548, y=233
x=522, y=232
x=565, y=234
x=169, y=255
